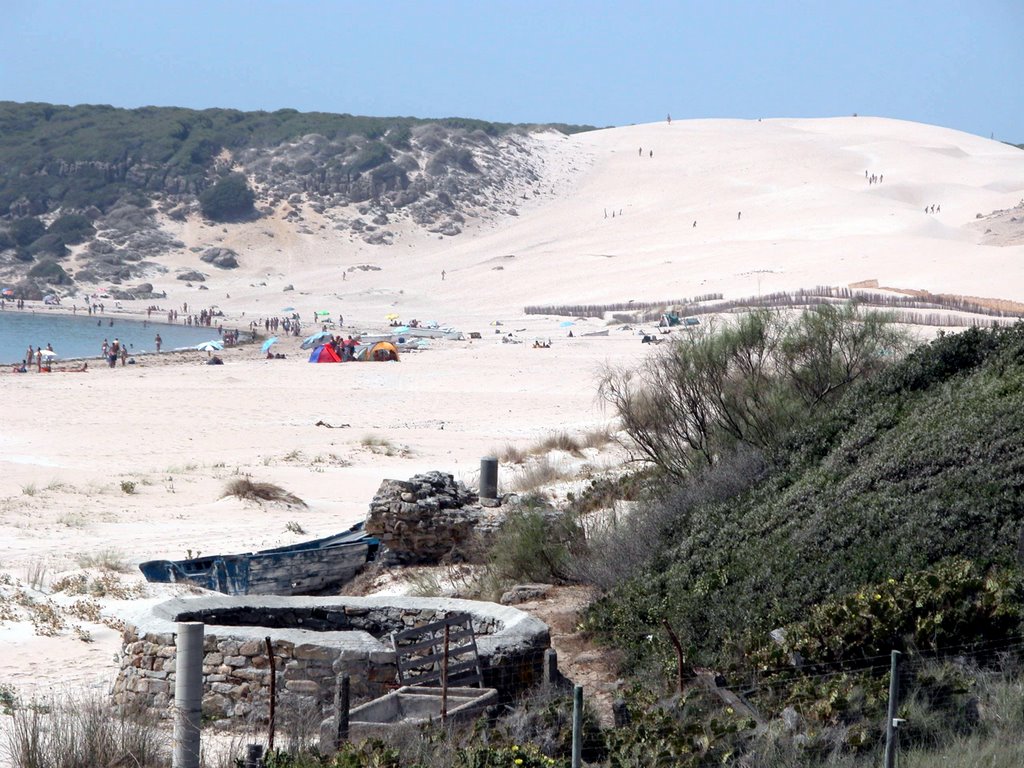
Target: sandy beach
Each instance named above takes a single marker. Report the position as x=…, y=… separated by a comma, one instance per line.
x=131, y=463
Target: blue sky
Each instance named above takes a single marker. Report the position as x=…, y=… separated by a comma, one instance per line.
x=957, y=64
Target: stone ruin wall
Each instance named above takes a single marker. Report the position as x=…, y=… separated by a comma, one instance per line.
x=427, y=519
x=236, y=668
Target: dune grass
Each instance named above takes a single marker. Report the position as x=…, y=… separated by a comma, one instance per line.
x=249, y=490
x=574, y=445
x=104, y=560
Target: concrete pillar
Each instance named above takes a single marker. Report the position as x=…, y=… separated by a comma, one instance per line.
x=254, y=756
x=577, y=726
x=188, y=695
x=489, y=477
x=551, y=674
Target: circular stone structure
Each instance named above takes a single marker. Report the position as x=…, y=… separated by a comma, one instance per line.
x=314, y=639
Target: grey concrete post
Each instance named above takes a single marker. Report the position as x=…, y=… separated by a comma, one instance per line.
x=488, y=478
x=577, y=726
x=890, y=723
x=254, y=756
x=550, y=674
x=188, y=694
x=342, y=704
x=620, y=713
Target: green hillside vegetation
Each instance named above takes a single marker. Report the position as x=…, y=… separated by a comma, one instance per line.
x=89, y=155
x=923, y=463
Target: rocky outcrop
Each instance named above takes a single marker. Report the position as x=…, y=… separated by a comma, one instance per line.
x=427, y=519
x=224, y=258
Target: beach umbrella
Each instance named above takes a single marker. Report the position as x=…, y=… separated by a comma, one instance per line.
x=288, y=309
x=210, y=346
x=317, y=338
x=392, y=316
x=268, y=343
x=47, y=353
x=7, y=293
x=566, y=324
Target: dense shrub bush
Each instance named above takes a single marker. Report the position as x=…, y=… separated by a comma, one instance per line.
x=26, y=230
x=535, y=544
x=369, y=157
x=951, y=606
x=49, y=245
x=230, y=198
x=73, y=228
x=50, y=272
x=390, y=175
x=452, y=158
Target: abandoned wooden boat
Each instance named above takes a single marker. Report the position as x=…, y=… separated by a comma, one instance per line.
x=298, y=569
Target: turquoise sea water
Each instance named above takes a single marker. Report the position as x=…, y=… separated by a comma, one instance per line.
x=82, y=336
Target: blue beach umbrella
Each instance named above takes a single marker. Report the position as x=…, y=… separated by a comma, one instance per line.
x=312, y=341
x=268, y=343
x=566, y=324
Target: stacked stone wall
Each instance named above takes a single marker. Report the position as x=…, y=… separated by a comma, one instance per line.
x=427, y=519
x=236, y=674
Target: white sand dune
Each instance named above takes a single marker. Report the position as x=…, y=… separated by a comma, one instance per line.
x=809, y=217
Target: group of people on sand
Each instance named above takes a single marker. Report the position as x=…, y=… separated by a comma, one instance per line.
x=18, y=303
x=289, y=325
x=344, y=348
x=35, y=356
x=874, y=178
x=205, y=317
x=115, y=350
x=933, y=208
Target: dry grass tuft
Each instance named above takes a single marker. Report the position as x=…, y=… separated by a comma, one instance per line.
x=246, y=489
x=562, y=441
x=510, y=454
x=63, y=732
x=104, y=560
x=384, y=447
x=558, y=441
x=598, y=438
x=538, y=474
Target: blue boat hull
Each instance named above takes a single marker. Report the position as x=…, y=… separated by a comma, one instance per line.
x=308, y=568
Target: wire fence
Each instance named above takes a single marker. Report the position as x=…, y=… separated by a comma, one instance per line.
x=946, y=310
x=578, y=712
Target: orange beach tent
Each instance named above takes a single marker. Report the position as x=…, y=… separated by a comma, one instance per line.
x=381, y=352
